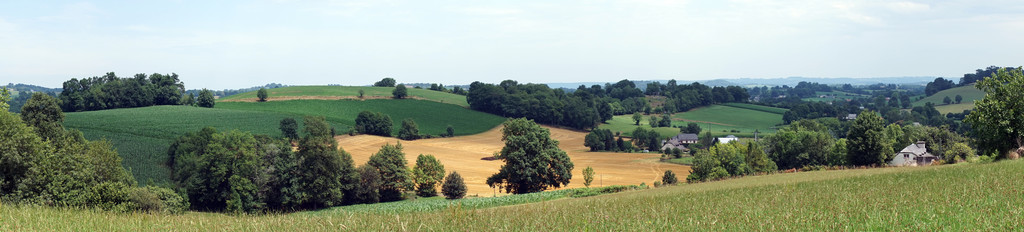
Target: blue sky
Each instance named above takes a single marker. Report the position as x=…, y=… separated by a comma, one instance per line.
x=234, y=44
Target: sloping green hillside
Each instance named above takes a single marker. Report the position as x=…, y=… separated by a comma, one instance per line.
x=965, y=197
x=350, y=91
x=743, y=118
x=969, y=93
x=142, y=135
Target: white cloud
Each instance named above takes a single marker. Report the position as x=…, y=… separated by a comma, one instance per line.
x=907, y=7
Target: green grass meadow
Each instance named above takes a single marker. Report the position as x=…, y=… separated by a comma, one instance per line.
x=142, y=135
x=353, y=91
x=743, y=117
x=964, y=197
x=625, y=125
x=969, y=93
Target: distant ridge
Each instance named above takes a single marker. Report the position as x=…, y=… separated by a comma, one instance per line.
x=790, y=81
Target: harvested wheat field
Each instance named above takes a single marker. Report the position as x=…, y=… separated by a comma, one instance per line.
x=465, y=155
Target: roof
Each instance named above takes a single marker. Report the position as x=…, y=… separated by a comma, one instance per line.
x=917, y=148
x=685, y=137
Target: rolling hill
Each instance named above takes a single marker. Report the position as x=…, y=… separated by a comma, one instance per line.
x=969, y=93
x=346, y=92
x=744, y=118
x=142, y=135
x=948, y=197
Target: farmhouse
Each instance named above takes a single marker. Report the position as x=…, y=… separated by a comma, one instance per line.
x=728, y=139
x=679, y=141
x=914, y=155
x=850, y=117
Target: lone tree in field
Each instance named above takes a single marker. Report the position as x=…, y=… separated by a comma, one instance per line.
x=289, y=128
x=361, y=93
x=386, y=82
x=588, y=176
x=262, y=94
x=866, y=142
x=998, y=119
x=400, y=92
x=409, y=131
x=454, y=187
x=959, y=99
x=428, y=173
x=450, y=131
x=533, y=161
x=946, y=100
x=390, y=162
x=205, y=99
x=669, y=178
x=637, y=117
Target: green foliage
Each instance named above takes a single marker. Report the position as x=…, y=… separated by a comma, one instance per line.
x=158, y=200
x=637, y=117
x=362, y=94
x=218, y=170
x=866, y=142
x=22, y=149
x=428, y=174
x=112, y=92
x=669, y=178
x=601, y=140
x=262, y=94
x=395, y=177
x=730, y=159
x=803, y=143
x=205, y=99
x=289, y=128
x=533, y=161
x=691, y=128
x=646, y=139
x=450, y=131
x=588, y=176
x=998, y=119
x=958, y=152
x=5, y=96
x=400, y=92
x=386, y=82
x=325, y=173
x=42, y=112
x=666, y=120
x=409, y=130
x=734, y=116
x=757, y=160
x=654, y=122
x=374, y=123
x=453, y=187
x=368, y=189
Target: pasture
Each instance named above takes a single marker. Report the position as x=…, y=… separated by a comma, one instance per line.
x=346, y=92
x=969, y=93
x=624, y=124
x=742, y=117
x=961, y=197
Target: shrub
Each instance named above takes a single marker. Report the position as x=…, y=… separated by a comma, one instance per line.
x=669, y=178
x=409, y=131
x=454, y=187
x=158, y=200
x=369, y=184
x=373, y=123
x=588, y=176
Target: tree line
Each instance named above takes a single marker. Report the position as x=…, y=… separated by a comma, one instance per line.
x=113, y=92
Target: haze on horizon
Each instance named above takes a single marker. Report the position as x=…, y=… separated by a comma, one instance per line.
x=235, y=44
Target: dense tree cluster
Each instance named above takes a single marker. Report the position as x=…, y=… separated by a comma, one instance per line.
x=685, y=97
x=386, y=82
x=805, y=143
x=533, y=161
x=538, y=102
x=604, y=140
x=998, y=119
x=112, y=92
x=730, y=159
x=937, y=85
x=373, y=123
x=42, y=163
x=980, y=74
x=648, y=139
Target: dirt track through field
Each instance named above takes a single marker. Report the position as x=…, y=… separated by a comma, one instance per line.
x=464, y=154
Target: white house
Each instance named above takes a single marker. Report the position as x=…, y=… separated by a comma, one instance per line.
x=914, y=155
x=728, y=139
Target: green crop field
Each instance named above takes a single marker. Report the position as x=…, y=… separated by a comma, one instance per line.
x=142, y=135
x=728, y=118
x=965, y=197
x=352, y=91
x=969, y=93
x=431, y=117
x=625, y=125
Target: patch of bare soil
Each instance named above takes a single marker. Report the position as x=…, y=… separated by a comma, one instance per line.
x=466, y=155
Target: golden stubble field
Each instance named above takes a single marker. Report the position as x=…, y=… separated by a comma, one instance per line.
x=464, y=154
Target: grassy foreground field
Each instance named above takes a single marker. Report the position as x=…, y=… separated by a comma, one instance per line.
x=968, y=197
x=327, y=92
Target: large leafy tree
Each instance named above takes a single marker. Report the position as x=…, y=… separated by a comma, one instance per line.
x=42, y=112
x=373, y=123
x=262, y=94
x=327, y=174
x=998, y=119
x=866, y=142
x=428, y=174
x=386, y=82
x=409, y=131
x=289, y=128
x=533, y=161
x=400, y=92
x=205, y=99
x=395, y=176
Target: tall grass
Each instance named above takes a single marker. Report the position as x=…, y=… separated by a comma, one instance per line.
x=969, y=197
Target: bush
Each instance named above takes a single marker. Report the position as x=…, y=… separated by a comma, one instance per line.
x=158, y=200
x=454, y=187
x=409, y=131
x=367, y=191
x=669, y=178
x=373, y=123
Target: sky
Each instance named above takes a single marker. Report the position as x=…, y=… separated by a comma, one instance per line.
x=237, y=44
